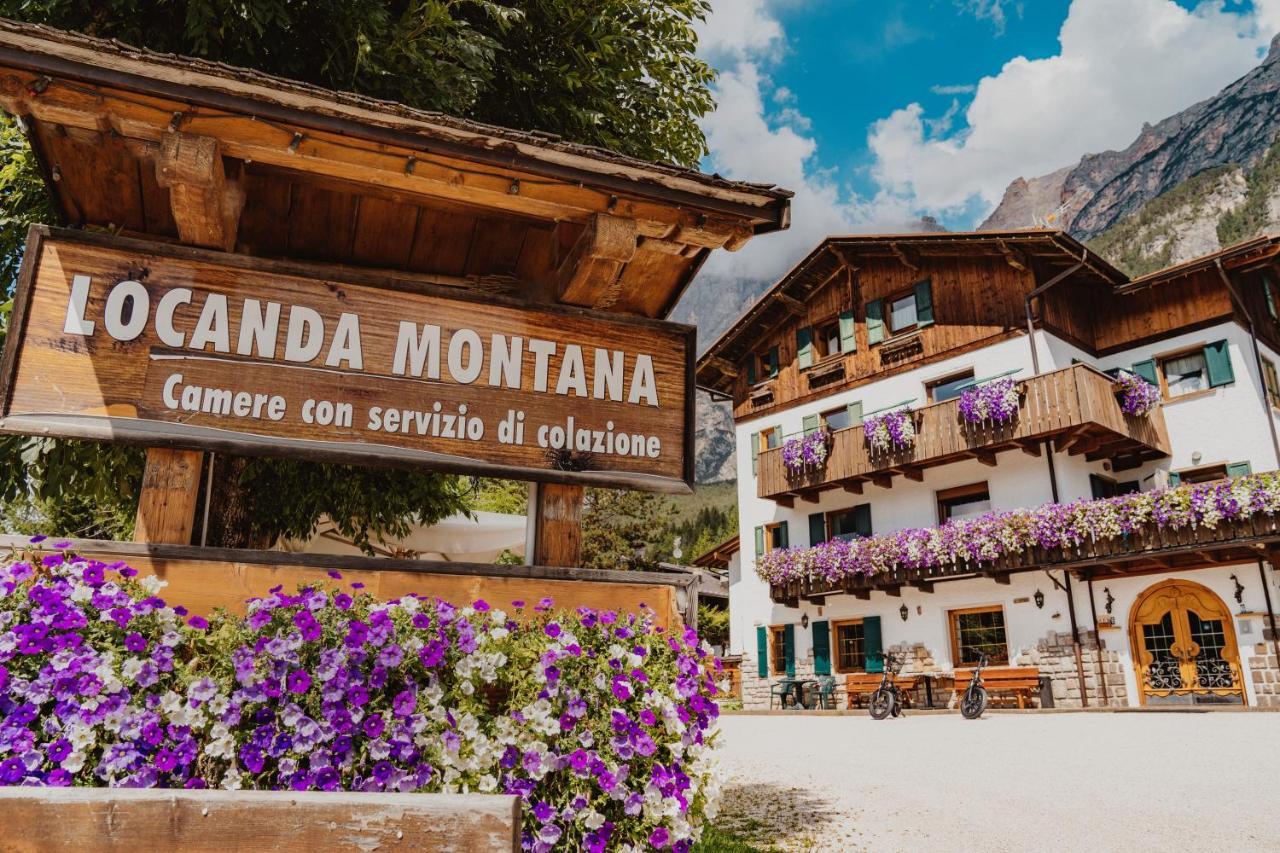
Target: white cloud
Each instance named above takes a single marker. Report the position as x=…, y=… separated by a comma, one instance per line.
x=1120, y=64
x=961, y=89
x=990, y=10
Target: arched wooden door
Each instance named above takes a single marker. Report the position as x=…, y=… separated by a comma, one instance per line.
x=1184, y=647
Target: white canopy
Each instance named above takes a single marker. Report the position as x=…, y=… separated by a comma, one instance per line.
x=459, y=538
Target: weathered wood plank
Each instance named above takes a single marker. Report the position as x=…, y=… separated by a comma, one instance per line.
x=36, y=820
x=170, y=490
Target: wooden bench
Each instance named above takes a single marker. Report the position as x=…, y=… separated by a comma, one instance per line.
x=859, y=684
x=1021, y=681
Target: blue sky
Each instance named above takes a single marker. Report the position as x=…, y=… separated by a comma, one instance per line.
x=878, y=112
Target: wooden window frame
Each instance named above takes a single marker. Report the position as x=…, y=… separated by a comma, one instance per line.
x=769, y=534
x=826, y=517
x=777, y=650
x=942, y=496
x=1271, y=387
x=943, y=380
x=822, y=417
x=763, y=363
x=953, y=629
x=819, y=343
x=1164, y=381
x=891, y=332
x=835, y=648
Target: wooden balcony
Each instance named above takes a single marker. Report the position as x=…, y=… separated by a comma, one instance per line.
x=1076, y=408
x=1148, y=550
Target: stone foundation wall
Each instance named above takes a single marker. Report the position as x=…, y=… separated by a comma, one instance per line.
x=1055, y=656
x=1264, y=670
x=755, y=690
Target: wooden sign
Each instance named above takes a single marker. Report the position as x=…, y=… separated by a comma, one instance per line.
x=122, y=340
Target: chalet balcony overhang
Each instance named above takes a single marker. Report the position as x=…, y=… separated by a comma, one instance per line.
x=1155, y=549
x=1075, y=408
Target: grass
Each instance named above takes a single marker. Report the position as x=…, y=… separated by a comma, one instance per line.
x=706, y=495
x=718, y=841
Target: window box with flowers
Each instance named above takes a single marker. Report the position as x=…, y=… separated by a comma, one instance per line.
x=891, y=431
x=806, y=453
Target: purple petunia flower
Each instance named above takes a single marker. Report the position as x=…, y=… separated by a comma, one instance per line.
x=298, y=682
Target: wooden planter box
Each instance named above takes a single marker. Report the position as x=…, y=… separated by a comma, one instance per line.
x=90, y=819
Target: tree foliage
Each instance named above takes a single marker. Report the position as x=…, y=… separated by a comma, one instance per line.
x=613, y=73
x=621, y=529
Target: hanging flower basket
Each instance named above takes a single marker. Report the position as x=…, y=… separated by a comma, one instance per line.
x=1138, y=397
x=891, y=431
x=806, y=453
x=994, y=402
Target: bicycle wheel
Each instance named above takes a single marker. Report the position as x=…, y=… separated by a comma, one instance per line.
x=974, y=702
x=897, y=705
x=882, y=704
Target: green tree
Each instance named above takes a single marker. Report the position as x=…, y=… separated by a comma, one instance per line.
x=623, y=530
x=613, y=73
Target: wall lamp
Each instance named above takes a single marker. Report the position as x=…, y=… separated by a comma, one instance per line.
x=1039, y=598
x=902, y=611
x=804, y=620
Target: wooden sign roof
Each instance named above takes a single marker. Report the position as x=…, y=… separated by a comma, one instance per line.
x=313, y=174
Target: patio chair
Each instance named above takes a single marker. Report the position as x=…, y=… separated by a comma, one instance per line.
x=782, y=690
x=825, y=693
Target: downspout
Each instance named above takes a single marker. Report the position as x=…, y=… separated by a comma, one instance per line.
x=1257, y=357
x=1097, y=638
x=1271, y=613
x=1075, y=640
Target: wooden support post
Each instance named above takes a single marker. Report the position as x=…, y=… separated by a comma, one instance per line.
x=557, y=533
x=167, y=505
x=206, y=207
x=588, y=275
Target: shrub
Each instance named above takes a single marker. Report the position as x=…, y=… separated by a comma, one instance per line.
x=599, y=721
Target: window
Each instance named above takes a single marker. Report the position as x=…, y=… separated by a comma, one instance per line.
x=762, y=441
x=902, y=314
x=837, y=418
x=1207, y=474
x=849, y=523
x=829, y=339
x=775, y=536
x=850, y=649
x=978, y=630
x=963, y=502
x=1271, y=380
x=778, y=650
x=1105, y=487
x=1184, y=374
x=948, y=387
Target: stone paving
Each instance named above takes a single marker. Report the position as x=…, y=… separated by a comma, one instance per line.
x=1009, y=782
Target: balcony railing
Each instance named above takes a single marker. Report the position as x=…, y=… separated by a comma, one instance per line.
x=1151, y=548
x=1075, y=407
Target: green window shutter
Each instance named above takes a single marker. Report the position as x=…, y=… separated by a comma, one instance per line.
x=811, y=424
x=751, y=369
x=755, y=452
x=783, y=540
x=762, y=650
x=1239, y=469
x=1147, y=370
x=773, y=362
x=817, y=528
x=759, y=541
x=804, y=347
x=789, y=649
x=821, y=648
x=1175, y=479
x=1217, y=357
x=875, y=321
x=777, y=434
x=871, y=646
x=848, y=332
x=924, y=303
x=862, y=519
x=855, y=413
x=1269, y=290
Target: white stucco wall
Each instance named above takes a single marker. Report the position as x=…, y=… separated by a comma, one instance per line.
x=1226, y=424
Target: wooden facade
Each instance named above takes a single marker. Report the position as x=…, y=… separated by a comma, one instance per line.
x=1075, y=407
x=980, y=284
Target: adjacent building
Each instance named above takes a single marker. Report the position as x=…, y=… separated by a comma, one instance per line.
x=913, y=325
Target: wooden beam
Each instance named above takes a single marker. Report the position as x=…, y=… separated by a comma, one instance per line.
x=589, y=274
x=893, y=590
x=884, y=481
x=1014, y=257
x=986, y=457
x=853, y=488
x=908, y=260
x=1001, y=578
x=811, y=496
x=795, y=306
x=726, y=367
x=914, y=474
x=923, y=586
x=167, y=504
x=119, y=819
x=787, y=501
x=206, y=206
x=558, y=525
x=861, y=594
x=1031, y=448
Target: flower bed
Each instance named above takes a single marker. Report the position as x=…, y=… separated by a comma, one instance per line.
x=807, y=452
x=995, y=401
x=1137, y=395
x=1054, y=526
x=891, y=431
x=597, y=720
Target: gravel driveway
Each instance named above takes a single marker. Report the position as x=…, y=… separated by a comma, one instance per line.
x=1090, y=782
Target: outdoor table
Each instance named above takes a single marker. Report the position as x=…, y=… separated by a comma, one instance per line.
x=800, y=688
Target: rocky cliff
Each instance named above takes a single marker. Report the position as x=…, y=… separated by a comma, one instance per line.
x=1236, y=126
